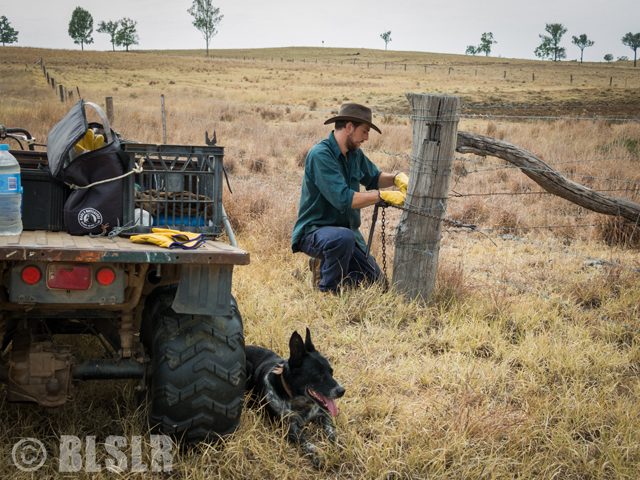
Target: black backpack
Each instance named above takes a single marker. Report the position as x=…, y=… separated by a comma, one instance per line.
x=98, y=208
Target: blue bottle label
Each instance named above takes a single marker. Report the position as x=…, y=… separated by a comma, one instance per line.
x=10, y=183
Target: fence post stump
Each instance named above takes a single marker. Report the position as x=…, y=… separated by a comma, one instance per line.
x=109, y=105
x=435, y=129
x=164, y=121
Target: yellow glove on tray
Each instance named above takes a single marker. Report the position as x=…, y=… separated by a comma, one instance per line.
x=392, y=198
x=167, y=238
x=401, y=181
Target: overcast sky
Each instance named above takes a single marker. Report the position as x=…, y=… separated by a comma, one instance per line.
x=416, y=25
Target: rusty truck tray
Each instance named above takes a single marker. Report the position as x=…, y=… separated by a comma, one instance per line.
x=41, y=245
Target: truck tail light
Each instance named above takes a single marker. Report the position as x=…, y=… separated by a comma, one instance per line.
x=31, y=275
x=105, y=276
x=68, y=277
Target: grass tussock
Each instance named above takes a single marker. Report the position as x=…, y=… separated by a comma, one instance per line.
x=525, y=363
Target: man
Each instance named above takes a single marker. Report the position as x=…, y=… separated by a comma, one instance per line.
x=328, y=222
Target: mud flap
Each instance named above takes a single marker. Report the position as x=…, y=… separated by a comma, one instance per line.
x=204, y=290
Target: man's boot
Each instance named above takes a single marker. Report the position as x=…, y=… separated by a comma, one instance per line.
x=314, y=267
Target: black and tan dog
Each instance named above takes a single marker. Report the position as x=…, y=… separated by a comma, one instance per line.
x=297, y=390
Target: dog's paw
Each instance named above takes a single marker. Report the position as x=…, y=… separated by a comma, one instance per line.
x=316, y=457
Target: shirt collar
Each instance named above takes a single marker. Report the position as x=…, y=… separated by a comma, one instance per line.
x=335, y=148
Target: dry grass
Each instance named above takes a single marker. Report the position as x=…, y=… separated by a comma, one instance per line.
x=487, y=380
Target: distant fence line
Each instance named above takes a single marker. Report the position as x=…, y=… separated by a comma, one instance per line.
x=441, y=68
x=58, y=88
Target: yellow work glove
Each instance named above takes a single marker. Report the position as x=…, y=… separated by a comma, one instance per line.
x=156, y=238
x=167, y=238
x=392, y=198
x=89, y=142
x=184, y=239
x=401, y=181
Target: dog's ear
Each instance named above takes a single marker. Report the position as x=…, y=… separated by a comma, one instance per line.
x=296, y=350
x=307, y=342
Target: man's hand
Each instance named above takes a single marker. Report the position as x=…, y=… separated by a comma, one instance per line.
x=401, y=181
x=393, y=198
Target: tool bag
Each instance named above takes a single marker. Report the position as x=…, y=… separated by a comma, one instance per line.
x=95, y=204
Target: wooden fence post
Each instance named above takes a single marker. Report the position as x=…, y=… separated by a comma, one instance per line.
x=435, y=130
x=164, y=121
x=109, y=105
x=61, y=93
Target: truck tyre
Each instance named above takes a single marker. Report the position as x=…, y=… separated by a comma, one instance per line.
x=196, y=389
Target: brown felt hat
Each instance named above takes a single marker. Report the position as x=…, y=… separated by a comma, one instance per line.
x=354, y=112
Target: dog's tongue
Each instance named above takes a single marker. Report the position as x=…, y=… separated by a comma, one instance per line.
x=331, y=405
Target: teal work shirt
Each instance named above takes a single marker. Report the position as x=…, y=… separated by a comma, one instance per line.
x=328, y=185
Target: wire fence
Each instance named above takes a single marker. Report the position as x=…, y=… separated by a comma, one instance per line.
x=268, y=184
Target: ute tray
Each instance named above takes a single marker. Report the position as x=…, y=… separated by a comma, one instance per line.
x=41, y=245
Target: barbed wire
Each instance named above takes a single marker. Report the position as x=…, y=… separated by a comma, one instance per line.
x=542, y=295
x=280, y=133
x=262, y=162
x=138, y=125
x=503, y=167
x=460, y=195
x=544, y=106
x=533, y=117
x=596, y=160
x=154, y=112
x=523, y=240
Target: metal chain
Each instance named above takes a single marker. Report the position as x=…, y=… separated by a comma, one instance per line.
x=384, y=251
x=434, y=217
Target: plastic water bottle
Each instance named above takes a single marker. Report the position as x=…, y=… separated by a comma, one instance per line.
x=10, y=193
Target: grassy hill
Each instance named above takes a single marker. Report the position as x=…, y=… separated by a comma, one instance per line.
x=487, y=380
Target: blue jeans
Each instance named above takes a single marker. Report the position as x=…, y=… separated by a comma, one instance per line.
x=342, y=262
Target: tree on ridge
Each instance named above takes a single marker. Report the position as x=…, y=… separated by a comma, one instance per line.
x=81, y=27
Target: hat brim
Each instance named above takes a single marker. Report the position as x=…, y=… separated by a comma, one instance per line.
x=352, y=119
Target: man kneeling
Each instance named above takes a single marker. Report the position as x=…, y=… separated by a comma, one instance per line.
x=328, y=222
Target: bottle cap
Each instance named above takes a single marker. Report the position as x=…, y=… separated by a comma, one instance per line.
x=4, y=146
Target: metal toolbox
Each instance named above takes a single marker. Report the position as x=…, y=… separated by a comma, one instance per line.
x=173, y=186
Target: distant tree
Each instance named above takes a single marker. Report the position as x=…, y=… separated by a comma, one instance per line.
x=608, y=57
x=205, y=18
x=486, y=40
x=623, y=58
x=632, y=40
x=127, y=33
x=471, y=50
x=582, y=42
x=386, y=36
x=7, y=33
x=550, y=46
x=111, y=28
x=81, y=27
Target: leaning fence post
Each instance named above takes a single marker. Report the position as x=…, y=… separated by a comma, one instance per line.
x=435, y=129
x=109, y=105
x=164, y=121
